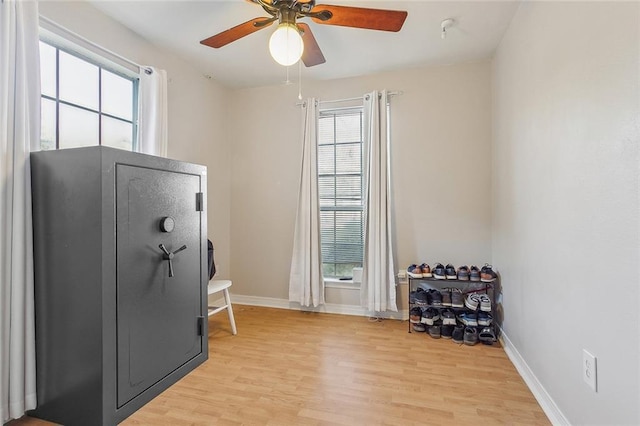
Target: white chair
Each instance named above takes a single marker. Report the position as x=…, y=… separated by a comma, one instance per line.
x=216, y=286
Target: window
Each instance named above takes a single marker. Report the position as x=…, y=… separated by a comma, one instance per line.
x=340, y=182
x=84, y=103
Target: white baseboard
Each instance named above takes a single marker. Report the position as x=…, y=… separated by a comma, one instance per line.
x=329, y=308
x=544, y=399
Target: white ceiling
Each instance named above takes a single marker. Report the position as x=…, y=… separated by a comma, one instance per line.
x=179, y=25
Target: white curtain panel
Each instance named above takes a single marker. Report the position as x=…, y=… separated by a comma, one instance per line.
x=19, y=135
x=306, y=285
x=378, y=288
x=153, y=130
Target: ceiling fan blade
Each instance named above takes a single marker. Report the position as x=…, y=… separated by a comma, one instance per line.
x=237, y=32
x=359, y=17
x=312, y=55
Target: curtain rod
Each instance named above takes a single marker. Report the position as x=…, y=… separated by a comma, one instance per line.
x=59, y=27
x=358, y=98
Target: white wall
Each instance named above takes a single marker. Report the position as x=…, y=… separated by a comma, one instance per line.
x=197, y=114
x=552, y=201
x=565, y=188
x=441, y=163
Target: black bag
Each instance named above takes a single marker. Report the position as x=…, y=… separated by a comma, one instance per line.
x=212, y=263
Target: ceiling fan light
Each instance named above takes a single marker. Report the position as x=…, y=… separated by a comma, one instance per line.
x=286, y=44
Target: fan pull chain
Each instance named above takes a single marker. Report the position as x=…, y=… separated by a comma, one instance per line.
x=287, y=81
x=300, y=80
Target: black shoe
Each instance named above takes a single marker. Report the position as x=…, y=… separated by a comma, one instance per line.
x=487, y=336
x=419, y=327
x=463, y=273
x=450, y=272
x=415, y=315
x=414, y=271
x=484, y=318
x=458, y=333
x=430, y=316
x=421, y=297
x=470, y=319
x=485, y=303
x=446, y=331
x=438, y=272
x=448, y=316
x=434, y=331
x=457, y=298
x=470, y=336
x=487, y=275
x=474, y=273
x=446, y=296
x=436, y=297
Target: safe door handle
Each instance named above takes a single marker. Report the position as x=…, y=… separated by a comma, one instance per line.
x=169, y=256
x=180, y=249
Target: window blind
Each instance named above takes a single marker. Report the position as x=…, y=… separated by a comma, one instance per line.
x=340, y=183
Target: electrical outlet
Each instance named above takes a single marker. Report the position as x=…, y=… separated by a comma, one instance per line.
x=402, y=274
x=589, y=370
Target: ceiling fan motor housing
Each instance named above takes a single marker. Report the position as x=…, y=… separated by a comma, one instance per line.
x=287, y=16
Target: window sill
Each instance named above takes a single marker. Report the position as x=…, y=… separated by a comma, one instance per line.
x=338, y=283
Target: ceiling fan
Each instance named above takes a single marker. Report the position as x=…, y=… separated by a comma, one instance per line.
x=292, y=40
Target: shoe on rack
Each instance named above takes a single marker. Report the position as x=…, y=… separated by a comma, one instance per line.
x=450, y=272
x=470, y=336
x=430, y=316
x=419, y=327
x=446, y=331
x=485, y=303
x=414, y=271
x=434, y=331
x=448, y=316
x=426, y=271
x=463, y=273
x=458, y=334
x=487, y=336
x=484, y=318
x=470, y=319
x=415, y=315
x=487, y=275
x=421, y=297
x=438, y=272
x=474, y=273
x=472, y=301
x=446, y=296
x=436, y=297
x=457, y=298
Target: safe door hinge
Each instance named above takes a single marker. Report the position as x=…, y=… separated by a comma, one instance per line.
x=200, y=326
x=199, y=202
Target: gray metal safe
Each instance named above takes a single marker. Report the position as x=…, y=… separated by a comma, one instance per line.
x=120, y=258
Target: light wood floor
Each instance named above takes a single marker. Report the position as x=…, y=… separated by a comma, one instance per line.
x=294, y=368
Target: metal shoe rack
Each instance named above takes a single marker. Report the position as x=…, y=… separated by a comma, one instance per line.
x=466, y=286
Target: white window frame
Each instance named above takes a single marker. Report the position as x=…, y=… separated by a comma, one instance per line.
x=74, y=45
x=335, y=281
